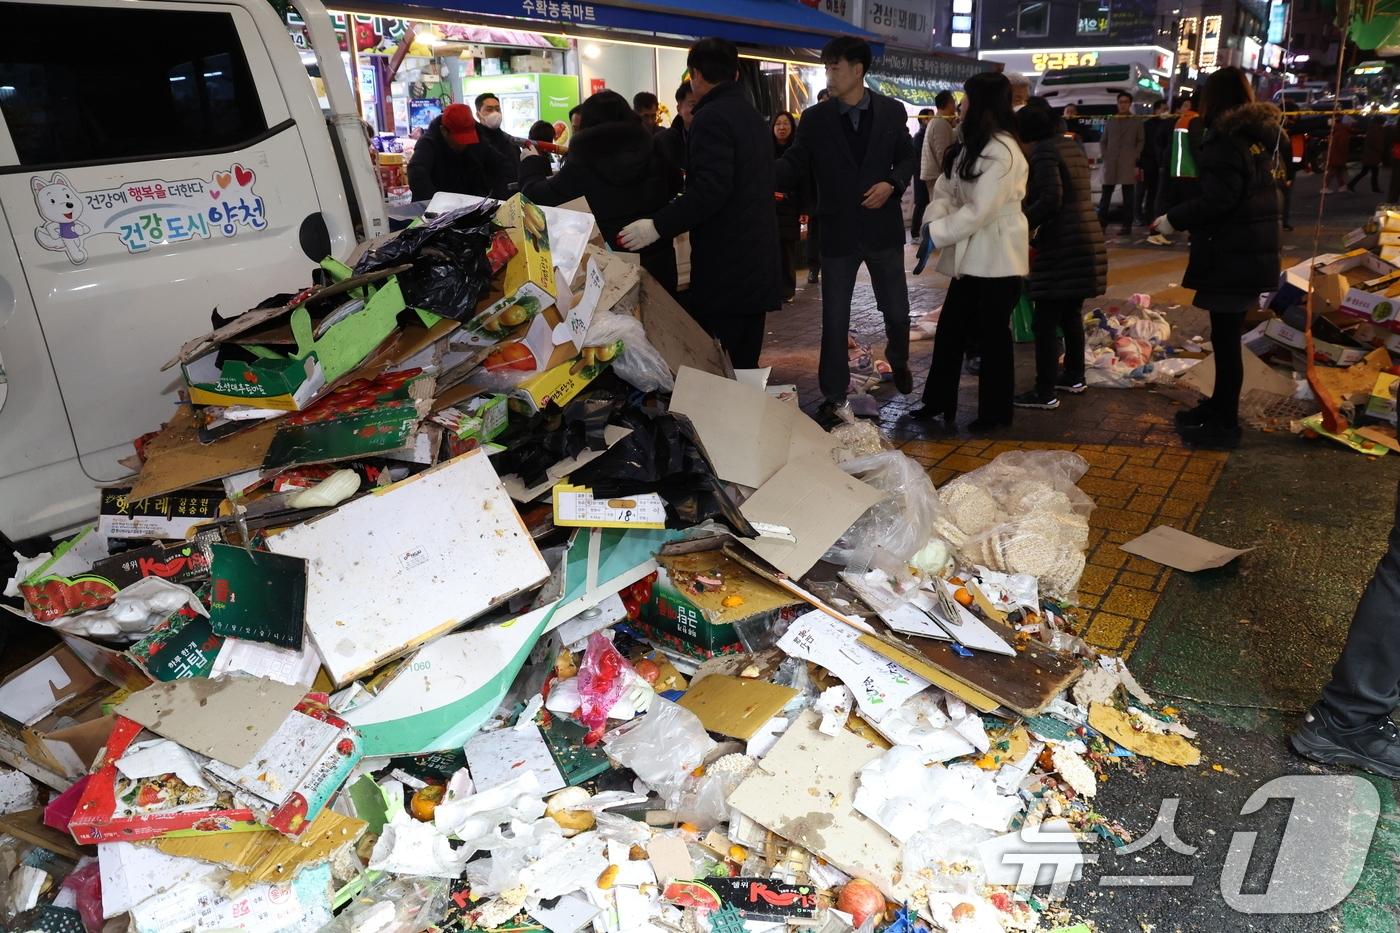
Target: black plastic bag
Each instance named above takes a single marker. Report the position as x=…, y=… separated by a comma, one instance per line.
x=451, y=266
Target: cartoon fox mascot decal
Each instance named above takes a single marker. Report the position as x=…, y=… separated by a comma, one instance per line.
x=60, y=207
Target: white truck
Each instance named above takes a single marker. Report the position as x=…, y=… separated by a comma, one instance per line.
x=158, y=159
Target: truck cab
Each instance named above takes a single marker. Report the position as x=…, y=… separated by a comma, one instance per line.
x=163, y=159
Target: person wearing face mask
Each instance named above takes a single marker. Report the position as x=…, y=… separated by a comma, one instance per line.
x=489, y=117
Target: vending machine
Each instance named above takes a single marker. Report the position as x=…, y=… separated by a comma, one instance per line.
x=526, y=98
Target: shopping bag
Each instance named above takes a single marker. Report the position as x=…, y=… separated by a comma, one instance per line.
x=1022, y=320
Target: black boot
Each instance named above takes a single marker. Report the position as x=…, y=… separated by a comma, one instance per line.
x=1193, y=417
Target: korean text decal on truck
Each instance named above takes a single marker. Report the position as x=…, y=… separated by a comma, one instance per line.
x=145, y=213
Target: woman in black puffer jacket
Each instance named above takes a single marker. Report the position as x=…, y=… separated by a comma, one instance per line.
x=1234, y=225
x=615, y=164
x=1070, y=262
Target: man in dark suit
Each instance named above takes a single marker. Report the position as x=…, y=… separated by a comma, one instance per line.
x=856, y=145
x=727, y=207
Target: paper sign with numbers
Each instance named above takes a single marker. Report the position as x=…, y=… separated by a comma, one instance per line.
x=576, y=506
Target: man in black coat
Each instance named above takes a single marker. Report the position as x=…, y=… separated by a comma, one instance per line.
x=675, y=139
x=507, y=168
x=857, y=147
x=449, y=157
x=727, y=207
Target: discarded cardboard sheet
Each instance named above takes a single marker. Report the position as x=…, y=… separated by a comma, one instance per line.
x=816, y=501
x=420, y=581
x=227, y=719
x=675, y=334
x=1168, y=749
x=258, y=596
x=802, y=790
x=1354, y=383
x=131, y=874
x=175, y=459
x=1176, y=548
x=748, y=435
x=670, y=858
x=1257, y=375
x=735, y=706
x=266, y=856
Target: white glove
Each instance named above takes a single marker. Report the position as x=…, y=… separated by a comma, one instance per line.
x=639, y=234
x=1162, y=225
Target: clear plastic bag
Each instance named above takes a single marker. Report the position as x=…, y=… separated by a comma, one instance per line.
x=639, y=364
x=393, y=904
x=662, y=747
x=899, y=524
x=1023, y=513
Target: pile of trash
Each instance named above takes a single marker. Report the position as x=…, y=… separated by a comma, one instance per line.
x=1126, y=344
x=470, y=589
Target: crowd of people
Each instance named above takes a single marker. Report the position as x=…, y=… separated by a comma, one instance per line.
x=1002, y=194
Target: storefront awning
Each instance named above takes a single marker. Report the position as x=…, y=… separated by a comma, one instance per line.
x=745, y=22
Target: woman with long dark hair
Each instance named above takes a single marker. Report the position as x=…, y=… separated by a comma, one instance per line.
x=1234, y=225
x=974, y=217
x=615, y=164
x=1070, y=262
x=783, y=126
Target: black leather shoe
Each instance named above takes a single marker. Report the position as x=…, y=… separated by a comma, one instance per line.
x=1213, y=435
x=903, y=380
x=1193, y=417
x=1374, y=748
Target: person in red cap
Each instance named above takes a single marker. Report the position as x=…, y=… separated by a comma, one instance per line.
x=449, y=157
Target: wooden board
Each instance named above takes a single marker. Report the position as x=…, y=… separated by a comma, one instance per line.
x=175, y=459
x=1025, y=683
x=28, y=825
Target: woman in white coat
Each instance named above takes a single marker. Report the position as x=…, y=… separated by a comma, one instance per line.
x=974, y=218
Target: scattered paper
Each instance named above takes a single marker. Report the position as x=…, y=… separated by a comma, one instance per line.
x=835, y=705
x=31, y=694
x=880, y=685
x=284, y=665
x=17, y=792
x=497, y=757
x=939, y=736
x=408, y=847
x=132, y=874
x=161, y=756
x=569, y=914
x=1182, y=551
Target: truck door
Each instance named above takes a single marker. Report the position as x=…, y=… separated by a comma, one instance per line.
x=157, y=168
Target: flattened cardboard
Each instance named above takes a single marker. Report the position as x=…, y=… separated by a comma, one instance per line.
x=813, y=498
x=676, y=335
x=735, y=706
x=28, y=826
x=748, y=435
x=1257, y=375
x=417, y=579
x=502, y=755
x=227, y=719
x=266, y=856
x=259, y=596
x=1180, y=550
x=1169, y=749
x=802, y=790
x=175, y=459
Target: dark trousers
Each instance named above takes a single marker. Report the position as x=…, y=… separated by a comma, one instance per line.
x=814, y=246
x=1066, y=315
x=886, y=268
x=741, y=335
x=1226, y=328
x=787, y=250
x=921, y=197
x=1106, y=197
x=1394, y=194
x=1365, y=684
x=982, y=308
x=1146, y=198
x=1286, y=187
x=1374, y=171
